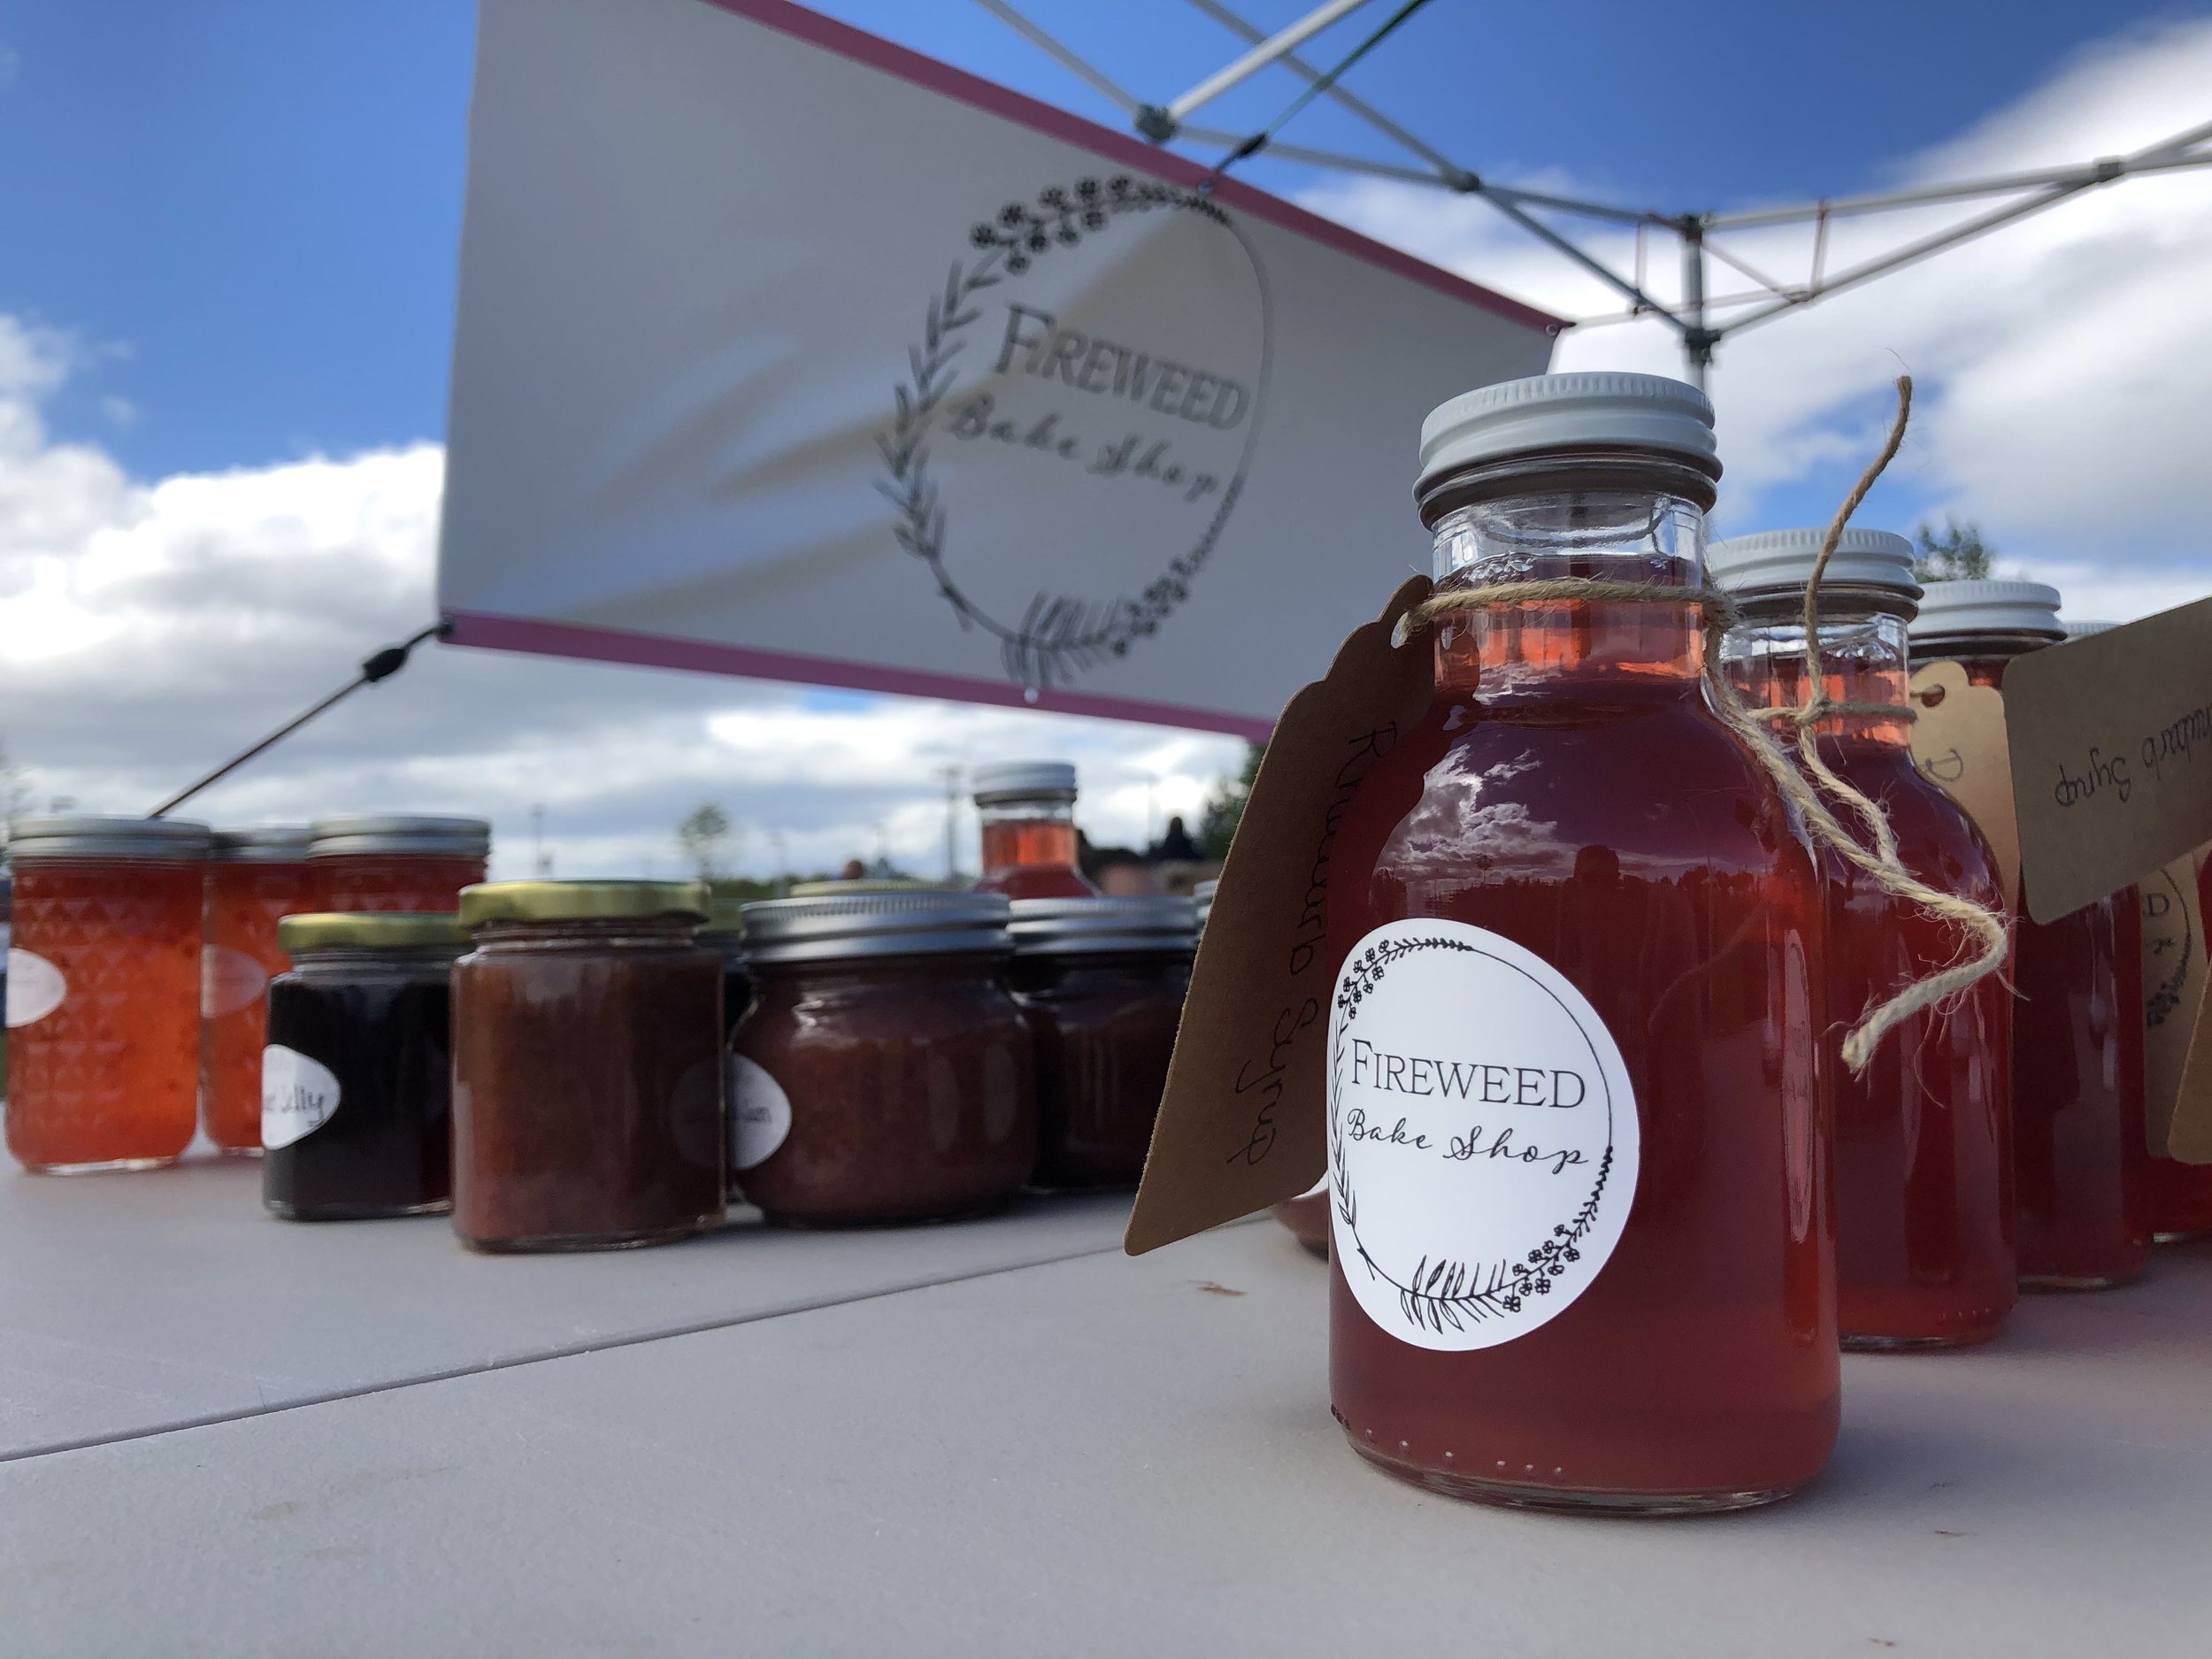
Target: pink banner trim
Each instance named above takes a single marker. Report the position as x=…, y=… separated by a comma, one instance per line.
x=1123, y=151
x=653, y=650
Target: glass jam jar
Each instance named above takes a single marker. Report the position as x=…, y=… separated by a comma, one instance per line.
x=103, y=992
x=884, y=1073
x=358, y=1073
x=1923, y=1135
x=1029, y=842
x=2080, y=1156
x=588, y=1073
x=1102, y=981
x=1583, y=1251
x=254, y=877
x=387, y=861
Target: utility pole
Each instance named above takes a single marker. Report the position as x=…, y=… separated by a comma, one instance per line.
x=783, y=864
x=540, y=863
x=951, y=775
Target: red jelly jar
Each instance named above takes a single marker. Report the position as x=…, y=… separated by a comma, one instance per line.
x=389, y=861
x=255, y=877
x=1583, y=1256
x=1102, y=981
x=2081, y=1159
x=1922, y=1134
x=103, y=992
x=1029, y=842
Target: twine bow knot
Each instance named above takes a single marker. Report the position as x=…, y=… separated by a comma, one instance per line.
x=1984, y=929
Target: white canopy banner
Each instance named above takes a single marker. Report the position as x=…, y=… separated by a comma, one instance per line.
x=783, y=352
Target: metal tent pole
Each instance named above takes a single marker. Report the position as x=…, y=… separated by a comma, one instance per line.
x=1258, y=58
x=1060, y=54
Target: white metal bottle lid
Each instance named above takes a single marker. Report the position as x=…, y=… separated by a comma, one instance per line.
x=1777, y=562
x=2017, y=609
x=1569, y=412
x=1025, y=780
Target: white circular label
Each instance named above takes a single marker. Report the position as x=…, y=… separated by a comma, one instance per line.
x=298, y=1094
x=230, y=980
x=760, y=1113
x=35, y=988
x=1482, y=1135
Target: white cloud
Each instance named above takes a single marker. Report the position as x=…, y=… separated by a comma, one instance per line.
x=2060, y=362
x=146, y=632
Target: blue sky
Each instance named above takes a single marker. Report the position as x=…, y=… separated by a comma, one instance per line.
x=249, y=211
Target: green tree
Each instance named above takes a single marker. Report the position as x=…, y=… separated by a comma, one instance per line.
x=1224, y=810
x=702, y=837
x=1956, y=553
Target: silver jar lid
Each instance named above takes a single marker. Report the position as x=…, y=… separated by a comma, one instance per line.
x=260, y=844
x=2007, y=610
x=387, y=832
x=1068, y=926
x=1567, y=411
x=1025, y=780
x=930, y=922
x=2083, y=630
x=94, y=835
x=1777, y=564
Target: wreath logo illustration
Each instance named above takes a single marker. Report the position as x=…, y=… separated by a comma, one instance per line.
x=1441, y=1291
x=1057, y=635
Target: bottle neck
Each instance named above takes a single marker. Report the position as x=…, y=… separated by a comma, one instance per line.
x=1983, y=655
x=1615, y=649
x=1863, y=659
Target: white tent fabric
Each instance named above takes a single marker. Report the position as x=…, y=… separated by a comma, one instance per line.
x=785, y=352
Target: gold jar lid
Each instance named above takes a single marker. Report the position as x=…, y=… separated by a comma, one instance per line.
x=369, y=930
x=583, y=901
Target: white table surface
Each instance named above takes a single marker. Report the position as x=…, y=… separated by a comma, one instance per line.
x=135, y=1304
x=1096, y=1455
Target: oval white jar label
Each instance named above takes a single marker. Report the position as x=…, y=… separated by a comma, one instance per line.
x=760, y=1113
x=229, y=980
x=1482, y=1135
x=35, y=988
x=298, y=1094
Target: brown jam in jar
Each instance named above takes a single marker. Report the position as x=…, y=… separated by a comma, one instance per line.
x=884, y=1071
x=389, y=861
x=1102, y=981
x=587, y=1067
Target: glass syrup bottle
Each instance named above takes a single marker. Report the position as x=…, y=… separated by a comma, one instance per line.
x=1029, y=840
x=1583, y=1250
x=2080, y=1158
x=1923, y=1135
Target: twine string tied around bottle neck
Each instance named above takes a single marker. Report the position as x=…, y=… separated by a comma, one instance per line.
x=1984, y=929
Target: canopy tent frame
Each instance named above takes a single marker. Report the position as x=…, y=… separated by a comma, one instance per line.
x=1693, y=316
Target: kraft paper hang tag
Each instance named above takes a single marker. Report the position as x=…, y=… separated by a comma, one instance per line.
x=1241, y=1123
x=2112, y=740
x=2174, y=974
x=1959, y=742
x=2189, y=1136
